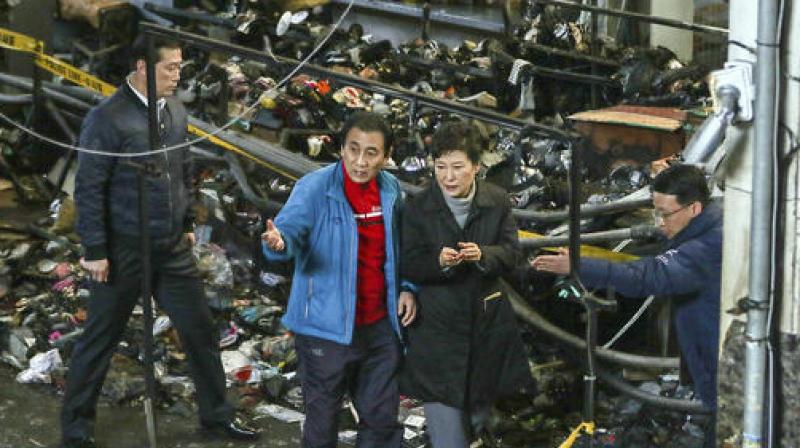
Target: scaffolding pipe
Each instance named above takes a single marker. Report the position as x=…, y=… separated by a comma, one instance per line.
x=760, y=266
x=672, y=23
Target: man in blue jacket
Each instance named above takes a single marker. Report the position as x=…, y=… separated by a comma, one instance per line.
x=340, y=226
x=689, y=269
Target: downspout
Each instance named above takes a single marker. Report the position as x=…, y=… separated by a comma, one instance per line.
x=761, y=218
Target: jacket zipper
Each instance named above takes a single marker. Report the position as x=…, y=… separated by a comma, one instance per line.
x=169, y=189
x=310, y=292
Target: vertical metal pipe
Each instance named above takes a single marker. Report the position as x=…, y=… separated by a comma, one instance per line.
x=144, y=227
x=575, y=207
x=594, y=49
x=761, y=225
x=38, y=96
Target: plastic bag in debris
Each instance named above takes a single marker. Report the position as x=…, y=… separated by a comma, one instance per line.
x=161, y=324
x=279, y=412
x=40, y=367
x=270, y=279
x=277, y=348
x=214, y=265
x=233, y=360
x=254, y=373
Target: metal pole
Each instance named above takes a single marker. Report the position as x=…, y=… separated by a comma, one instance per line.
x=594, y=48
x=589, y=378
x=147, y=339
x=760, y=266
x=637, y=16
x=575, y=208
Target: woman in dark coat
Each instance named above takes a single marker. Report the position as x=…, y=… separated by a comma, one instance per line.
x=464, y=350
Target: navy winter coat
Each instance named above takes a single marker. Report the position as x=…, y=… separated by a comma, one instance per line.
x=106, y=193
x=690, y=270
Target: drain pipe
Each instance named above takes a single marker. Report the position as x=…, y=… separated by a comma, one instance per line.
x=761, y=225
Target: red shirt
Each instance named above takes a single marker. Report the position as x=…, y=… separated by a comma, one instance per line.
x=365, y=199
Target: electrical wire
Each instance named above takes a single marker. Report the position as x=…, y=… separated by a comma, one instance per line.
x=773, y=250
x=630, y=322
x=206, y=135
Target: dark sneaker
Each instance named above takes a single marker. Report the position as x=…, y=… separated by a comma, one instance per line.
x=234, y=429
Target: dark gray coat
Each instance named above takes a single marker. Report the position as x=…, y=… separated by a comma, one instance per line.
x=464, y=349
x=106, y=193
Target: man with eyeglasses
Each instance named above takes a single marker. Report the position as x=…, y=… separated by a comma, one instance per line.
x=688, y=269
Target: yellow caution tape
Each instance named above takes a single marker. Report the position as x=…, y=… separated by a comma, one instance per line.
x=233, y=148
x=587, y=251
x=17, y=41
x=72, y=74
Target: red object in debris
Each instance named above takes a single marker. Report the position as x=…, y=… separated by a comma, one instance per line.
x=243, y=374
x=54, y=336
x=63, y=284
x=323, y=87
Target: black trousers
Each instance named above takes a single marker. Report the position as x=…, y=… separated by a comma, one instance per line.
x=367, y=368
x=179, y=292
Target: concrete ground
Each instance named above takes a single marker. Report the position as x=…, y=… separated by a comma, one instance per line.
x=29, y=419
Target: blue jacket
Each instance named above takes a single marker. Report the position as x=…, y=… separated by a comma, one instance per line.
x=690, y=270
x=320, y=233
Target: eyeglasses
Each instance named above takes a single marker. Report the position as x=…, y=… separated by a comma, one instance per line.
x=659, y=216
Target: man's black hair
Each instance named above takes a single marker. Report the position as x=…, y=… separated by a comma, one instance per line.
x=686, y=182
x=457, y=136
x=138, y=49
x=369, y=122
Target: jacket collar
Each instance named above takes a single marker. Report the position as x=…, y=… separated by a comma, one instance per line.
x=137, y=98
x=335, y=187
x=481, y=199
x=710, y=217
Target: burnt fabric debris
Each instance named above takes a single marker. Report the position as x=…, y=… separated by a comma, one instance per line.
x=533, y=74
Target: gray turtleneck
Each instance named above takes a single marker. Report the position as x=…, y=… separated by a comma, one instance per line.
x=460, y=206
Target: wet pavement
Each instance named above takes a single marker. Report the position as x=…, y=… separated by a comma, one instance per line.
x=29, y=418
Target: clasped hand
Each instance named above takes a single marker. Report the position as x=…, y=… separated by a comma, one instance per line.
x=469, y=252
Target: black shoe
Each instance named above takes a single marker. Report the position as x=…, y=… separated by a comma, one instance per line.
x=78, y=443
x=233, y=429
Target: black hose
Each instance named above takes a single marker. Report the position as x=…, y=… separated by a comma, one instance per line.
x=675, y=404
x=264, y=205
x=639, y=232
x=26, y=84
x=540, y=323
x=530, y=316
x=25, y=98
x=587, y=210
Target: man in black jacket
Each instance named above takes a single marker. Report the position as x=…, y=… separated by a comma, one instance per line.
x=108, y=224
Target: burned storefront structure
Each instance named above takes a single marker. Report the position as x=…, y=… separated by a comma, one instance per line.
x=573, y=124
